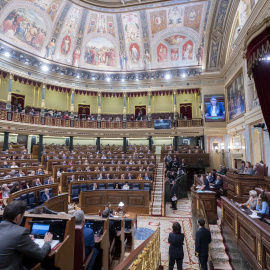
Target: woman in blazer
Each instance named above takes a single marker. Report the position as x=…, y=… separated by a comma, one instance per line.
x=176, y=252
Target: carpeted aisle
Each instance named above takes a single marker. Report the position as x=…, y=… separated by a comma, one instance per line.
x=182, y=215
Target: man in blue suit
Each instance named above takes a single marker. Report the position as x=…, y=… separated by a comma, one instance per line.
x=45, y=196
x=202, y=240
x=89, y=238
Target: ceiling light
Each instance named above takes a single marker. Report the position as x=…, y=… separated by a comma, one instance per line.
x=168, y=76
x=7, y=54
x=184, y=75
x=108, y=79
x=268, y=58
x=78, y=76
x=137, y=79
x=123, y=80
x=93, y=78
x=45, y=68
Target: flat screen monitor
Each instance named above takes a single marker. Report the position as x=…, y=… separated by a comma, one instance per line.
x=214, y=108
x=162, y=124
x=40, y=229
x=95, y=225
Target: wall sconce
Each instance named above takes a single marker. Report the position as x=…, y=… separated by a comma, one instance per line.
x=223, y=151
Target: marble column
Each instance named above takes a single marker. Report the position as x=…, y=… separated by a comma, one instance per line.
x=72, y=104
x=70, y=143
x=149, y=106
x=125, y=108
x=99, y=108
x=8, y=105
x=40, y=147
x=5, y=146
x=43, y=101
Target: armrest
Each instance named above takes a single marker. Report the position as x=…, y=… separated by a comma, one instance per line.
x=36, y=267
x=87, y=260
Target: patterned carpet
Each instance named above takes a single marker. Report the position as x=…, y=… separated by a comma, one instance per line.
x=182, y=215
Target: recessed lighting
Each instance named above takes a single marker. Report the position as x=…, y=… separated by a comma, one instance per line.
x=137, y=79
x=93, y=78
x=268, y=58
x=7, y=54
x=108, y=79
x=123, y=80
x=78, y=76
x=45, y=68
x=168, y=76
x=184, y=75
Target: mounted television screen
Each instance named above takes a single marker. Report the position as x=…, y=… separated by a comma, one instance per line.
x=214, y=108
x=162, y=124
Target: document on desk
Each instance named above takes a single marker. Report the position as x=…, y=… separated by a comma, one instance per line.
x=254, y=215
x=40, y=243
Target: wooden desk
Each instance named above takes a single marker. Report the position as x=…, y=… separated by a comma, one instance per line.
x=21, y=162
x=204, y=201
x=58, y=203
x=26, y=170
x=36, y=190
x=135, y=201
x=251, y=236
x=239, y=185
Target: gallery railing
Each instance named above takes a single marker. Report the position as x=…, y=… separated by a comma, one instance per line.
x=60, y=122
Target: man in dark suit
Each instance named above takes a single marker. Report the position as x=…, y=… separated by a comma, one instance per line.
x=45, y=196
x=218, y=183
x=16, y=241
x=173, y=194
x=112, y=231
x=203, y=239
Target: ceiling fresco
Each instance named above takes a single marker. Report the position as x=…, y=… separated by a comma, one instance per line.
x=66, y=33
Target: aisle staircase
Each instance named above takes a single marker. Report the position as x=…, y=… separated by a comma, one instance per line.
x=157, y=206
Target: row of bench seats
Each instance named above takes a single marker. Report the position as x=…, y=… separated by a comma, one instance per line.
x=30, y=199
x=76, y=189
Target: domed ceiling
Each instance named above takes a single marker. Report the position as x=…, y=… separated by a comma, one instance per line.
x=143, y=37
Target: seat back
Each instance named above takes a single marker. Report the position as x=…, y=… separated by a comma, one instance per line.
x=102, y=186
x=79, y=250
x=40, y=193
x=84, y=187
x=259, y=190
x=91, y=186
x=110, y=186
x=75, y=191
x=31, y=198
x=24, y=198
x=120, y=185
x=50, y=192
x=136, y=186
x=146, y=186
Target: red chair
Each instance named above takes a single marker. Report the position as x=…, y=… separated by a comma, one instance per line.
x=80, y=262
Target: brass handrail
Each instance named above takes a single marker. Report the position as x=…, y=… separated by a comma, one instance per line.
x=146, y=256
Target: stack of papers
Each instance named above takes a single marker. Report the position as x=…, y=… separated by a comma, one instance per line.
x=40, y=243
x=254, y=215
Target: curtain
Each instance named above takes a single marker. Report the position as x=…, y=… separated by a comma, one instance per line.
x=186, y=110
x=83, y=109
x=261, y=74
x=141, y=109
x=17, y=99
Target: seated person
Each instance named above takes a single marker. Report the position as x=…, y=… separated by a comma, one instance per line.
x=45, y=196
x=112, y=231
x=49, y=181
x=254, y=172
x=15, y=188
x=218, y=183
x=210, y=178
x=5, y=165
x=117, y=186
x=107, y=177
x=146, y=177
x=262, y=206
x=139, y=177
x=37, y=183
x=205, y=186
x=89, y=238
x=16, y=241
x=248, y=169
x=223, y=170
x=122, y=176
x=252, y=201
x=39, y=172
x=71, y=169
x=99, y=176
x=109, y=207
x=126, y=186
x=129, y=176
x=242, y=167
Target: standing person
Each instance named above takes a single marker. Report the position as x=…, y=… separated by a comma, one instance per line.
x=173, y=195
x=16, y=241
x=203, y=239
x=176, y=252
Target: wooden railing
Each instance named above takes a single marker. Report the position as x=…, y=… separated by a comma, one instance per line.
x=145, y=256
x=60, y=122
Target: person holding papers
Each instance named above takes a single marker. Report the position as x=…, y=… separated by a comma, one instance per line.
x=262, y=206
